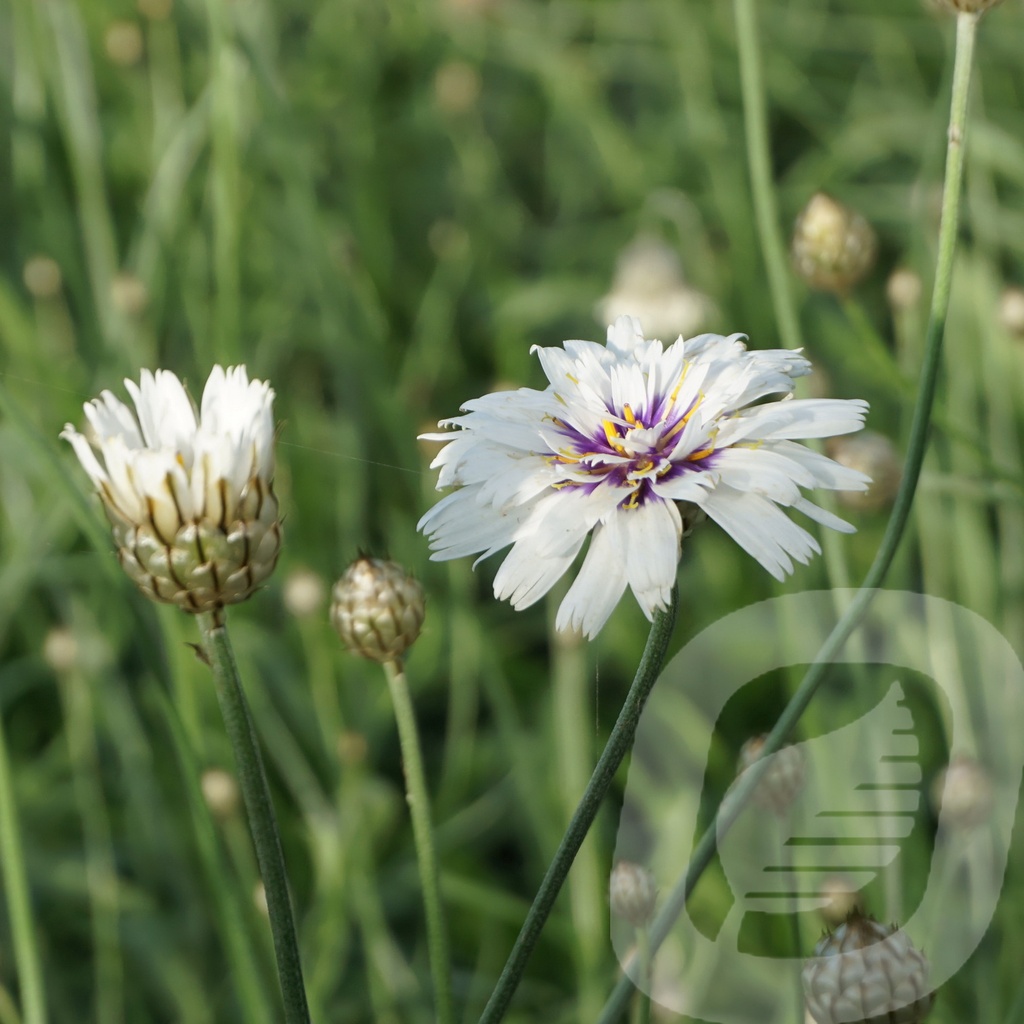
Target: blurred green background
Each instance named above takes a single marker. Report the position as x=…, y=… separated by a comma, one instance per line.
x=379, y=208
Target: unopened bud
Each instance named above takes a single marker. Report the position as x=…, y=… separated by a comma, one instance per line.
x=42, y=277
x=259, y=899
x=456, y=87
x=783, y=778
x=839, y=899
x=128, y=294
x=962, y=793
x=352, y=748
x=123, y=43
x=378, y=609
x=877, y=457
x=632, y=893
x=833, y=246
x=220, y=791
x=155, y=10
x=968, y=6
x=903, y=289
x=1011, y=311
x=867, y=973
x=304, y=593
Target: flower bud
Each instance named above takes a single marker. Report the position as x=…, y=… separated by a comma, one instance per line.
x=456, y=87
x=378, y=609
x=783, y=779
x=123, y=43
x=1011, y=311
x=632, y=893
x=962, y=793
x=867, y=973
x=833, y=246
x=190, y=499
x=876, y=456
x=220, y=791
x=60, y=650
x=304, y=593
x=649, y=285
x=839, y=899
x=42, y=277
x=128, y=294
x=968, y=6
x=903, y=289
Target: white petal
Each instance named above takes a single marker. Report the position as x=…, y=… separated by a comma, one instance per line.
x=85, y=455
x=826, y=518
x=524, y=577
x=596, y=590
x=649, y=537
x=760, y=528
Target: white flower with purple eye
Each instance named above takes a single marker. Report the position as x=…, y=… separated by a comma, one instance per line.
x=190, y=498
x=627, y=443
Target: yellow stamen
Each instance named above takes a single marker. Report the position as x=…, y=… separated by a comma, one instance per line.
x=612, y=433
x=702, y=454
x=634, y=500
x=679, y=383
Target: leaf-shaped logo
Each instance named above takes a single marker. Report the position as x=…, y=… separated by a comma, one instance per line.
x=862, y=789
x=858, y=800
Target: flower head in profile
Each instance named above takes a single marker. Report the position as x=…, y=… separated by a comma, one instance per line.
x=630, y=444
x=190, y=497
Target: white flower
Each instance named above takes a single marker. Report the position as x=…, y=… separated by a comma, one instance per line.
x=190, y=499
x=626, y=443
x=649, y=284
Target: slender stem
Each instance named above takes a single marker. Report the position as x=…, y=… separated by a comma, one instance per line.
x=708, y=844
x=766, y=213
x=643, y=952
x=619, y=742
x=423, y=832
x=262, y=823
x=19, y=901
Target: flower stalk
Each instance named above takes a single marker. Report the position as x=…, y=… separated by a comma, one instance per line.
x=23, y=936
x=848, y=622
x=619, y=742
x=423, y=834
x=260, y=811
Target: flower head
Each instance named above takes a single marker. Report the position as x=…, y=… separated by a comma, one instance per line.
x=378, y=609
x=631, y=444
x=649, y=283
x=190, y=499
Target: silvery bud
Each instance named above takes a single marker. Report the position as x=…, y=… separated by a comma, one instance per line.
x=875, y=456
x=190, y=498
x=378, y=609
x=632, y=893
x=867, y=973
x=1011, y=311
x=833, y=245
x=968, y=6
x=962, y=793
x=783, y=779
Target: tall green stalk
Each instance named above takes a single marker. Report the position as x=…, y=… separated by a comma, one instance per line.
x=423, y=833
x=19, y=902
x=619, y=742
x=766, y=212
x=898, y=518
x=260, y=810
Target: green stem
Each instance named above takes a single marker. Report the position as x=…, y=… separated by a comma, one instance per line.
x=708, y=844
x=766, y=213
x=19, y=902
x=619, y=742
x=643, y=952
x=423, y=832
x=262, y=823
